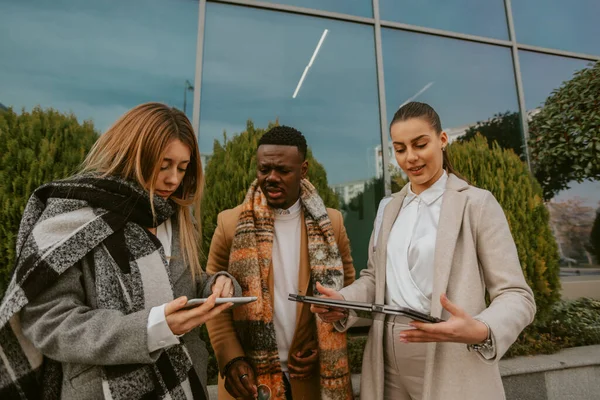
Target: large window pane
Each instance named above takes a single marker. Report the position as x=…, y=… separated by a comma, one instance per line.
x=362, y=8
x=475, y=17
x=573, y=210
x=537, y=86
x=465, y=82
x=560, y=24
x=254, y=71
x=97, y=58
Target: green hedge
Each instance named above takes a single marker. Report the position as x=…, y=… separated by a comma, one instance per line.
x=35, y=148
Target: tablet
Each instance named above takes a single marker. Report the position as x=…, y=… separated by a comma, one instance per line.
x=221, y=300
x=366, y=309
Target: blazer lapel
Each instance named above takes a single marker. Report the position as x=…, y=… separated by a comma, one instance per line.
x=392, y=209
x=303, y=269
x=450, y=223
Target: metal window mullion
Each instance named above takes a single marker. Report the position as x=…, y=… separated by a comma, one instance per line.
x=298, y=10
x=445, y=33
x=519, y=80
x=382, y=102
x=557, y=52
x=199, y=60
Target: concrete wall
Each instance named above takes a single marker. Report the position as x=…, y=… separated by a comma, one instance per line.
x=574, y=287
x=571, y=374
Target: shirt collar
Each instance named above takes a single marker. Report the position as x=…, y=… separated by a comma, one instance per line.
x=429, y=195
x=294, y=209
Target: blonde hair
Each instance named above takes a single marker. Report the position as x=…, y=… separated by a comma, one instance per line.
x=133, y=149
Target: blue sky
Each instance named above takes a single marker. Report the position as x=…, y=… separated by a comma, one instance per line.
x=99, y=59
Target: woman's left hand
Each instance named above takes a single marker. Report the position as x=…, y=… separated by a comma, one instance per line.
x=460, y=328
x=223, y=286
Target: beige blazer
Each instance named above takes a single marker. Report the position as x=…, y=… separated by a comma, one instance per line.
x=474, y=251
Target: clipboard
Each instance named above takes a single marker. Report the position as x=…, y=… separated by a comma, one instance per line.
x=366, y=310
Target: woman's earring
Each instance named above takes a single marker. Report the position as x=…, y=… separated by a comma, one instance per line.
x=444, y=148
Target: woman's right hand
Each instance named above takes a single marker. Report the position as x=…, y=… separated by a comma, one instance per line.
x=329, y=314
x=182, y=321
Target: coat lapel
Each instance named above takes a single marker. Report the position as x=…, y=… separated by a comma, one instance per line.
x=450, y=223
x=303, y=270
x=392, y=209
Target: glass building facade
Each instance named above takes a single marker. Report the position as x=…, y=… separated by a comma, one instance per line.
x=337, y=70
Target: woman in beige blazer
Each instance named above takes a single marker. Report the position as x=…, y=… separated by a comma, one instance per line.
x=439, y=238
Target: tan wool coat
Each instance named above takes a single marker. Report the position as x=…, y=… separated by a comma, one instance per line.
x=474, y=251
x=223, y=337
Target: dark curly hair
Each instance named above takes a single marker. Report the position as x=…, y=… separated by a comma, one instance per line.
x=285, y=136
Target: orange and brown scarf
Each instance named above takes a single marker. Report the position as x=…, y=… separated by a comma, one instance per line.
x=249, y=262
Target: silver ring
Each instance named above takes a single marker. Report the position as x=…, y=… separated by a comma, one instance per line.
x=243, y=376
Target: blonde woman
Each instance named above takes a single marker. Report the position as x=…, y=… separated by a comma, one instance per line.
x=442, y=243
x=106, y=261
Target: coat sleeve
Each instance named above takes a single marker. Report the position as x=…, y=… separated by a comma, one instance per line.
x=223, y=337
x=512, y=305
x=363, y=289
x=64, y=328
x=209, y=280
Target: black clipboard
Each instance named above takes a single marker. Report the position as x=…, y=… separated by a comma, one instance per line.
x=365, y=310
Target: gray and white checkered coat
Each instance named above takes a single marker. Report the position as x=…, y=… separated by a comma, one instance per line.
x=73, y=319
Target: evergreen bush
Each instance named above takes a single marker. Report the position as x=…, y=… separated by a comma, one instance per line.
x=35, y=148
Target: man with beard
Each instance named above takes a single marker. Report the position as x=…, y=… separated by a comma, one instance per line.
x=280, y=240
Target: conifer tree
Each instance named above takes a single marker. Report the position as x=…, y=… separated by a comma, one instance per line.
x=35, y=147
x=564, y=137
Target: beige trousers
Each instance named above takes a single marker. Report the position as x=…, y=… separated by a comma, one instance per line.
x=404, y=363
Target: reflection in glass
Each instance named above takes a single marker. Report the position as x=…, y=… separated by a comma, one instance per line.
x=97, y=59
x=559, y=24
x=542, y=73
x=313, y=74
x=361, y=8
x=474, y=17
x=573, y=211
x=468, y=84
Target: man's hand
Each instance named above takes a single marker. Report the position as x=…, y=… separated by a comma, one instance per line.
x=223, y=287
x=240, y=381
x=303, y=363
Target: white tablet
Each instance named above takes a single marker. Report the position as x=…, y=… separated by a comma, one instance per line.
x=221, y=300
